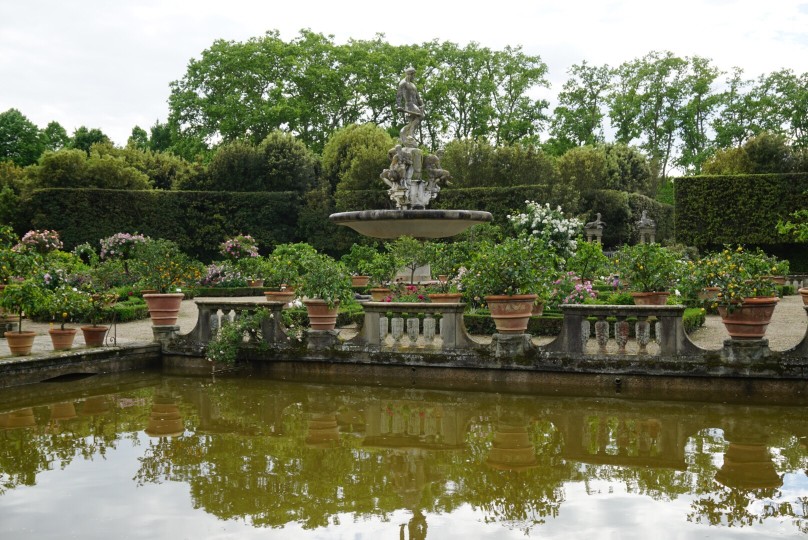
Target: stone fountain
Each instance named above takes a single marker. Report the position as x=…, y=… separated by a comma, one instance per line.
x=413, y=180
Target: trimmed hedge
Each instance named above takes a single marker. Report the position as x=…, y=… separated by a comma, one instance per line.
x=714, y=210
x=229, y=292
x=196, y=220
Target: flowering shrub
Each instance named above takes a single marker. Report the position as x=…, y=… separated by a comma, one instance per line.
x=222, y=275
x=407, y=293
x=120, y=245
x=550, y=225
x=239, y=247
x=40, y=241
x=570, y=289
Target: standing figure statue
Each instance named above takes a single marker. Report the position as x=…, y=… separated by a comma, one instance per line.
x=409, y=101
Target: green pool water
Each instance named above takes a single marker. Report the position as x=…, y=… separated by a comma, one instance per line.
x=148, y=456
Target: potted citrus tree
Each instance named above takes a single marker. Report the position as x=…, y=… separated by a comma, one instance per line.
x=506, y=276
x=650, y=270
x=746, y=295
x=383, y=269
x=165, y=269
x=63, y=304
x=20, y=297
x=323, y=285
x=281, y=273
x=98, y=303
x=358, y=261
x=446, y=261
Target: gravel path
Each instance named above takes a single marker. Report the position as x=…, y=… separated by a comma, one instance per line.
x=786, y=330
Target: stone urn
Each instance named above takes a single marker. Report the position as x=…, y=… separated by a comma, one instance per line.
x=360, y=281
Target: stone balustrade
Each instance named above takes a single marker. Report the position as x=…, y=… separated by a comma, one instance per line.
x=412, y=325
x=612, y=330
x=593, y=339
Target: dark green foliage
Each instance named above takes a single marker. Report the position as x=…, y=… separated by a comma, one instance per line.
x=236, y=166
x=197, y=221
x=715, y=210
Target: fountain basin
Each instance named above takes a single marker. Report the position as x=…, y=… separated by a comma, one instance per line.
x=389, y=224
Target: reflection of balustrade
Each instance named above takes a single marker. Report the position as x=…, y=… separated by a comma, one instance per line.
x=612, y=330
x=63, y=411
x=18, y=419
x=413, y=325
x=94, y=405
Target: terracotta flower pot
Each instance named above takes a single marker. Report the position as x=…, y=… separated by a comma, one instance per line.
x=255, y=283
x=804, y=293
x=538, y=309
x=20, y=343
x=511, y=313
x=750, y=319
x=321, y=317
x=94, y=335
x=655, y=298
x=360, y=281
x=280, y=296
x=378, y=294
x=62, y=339
x=445, y=298
x=709, y=293
x=164, y=308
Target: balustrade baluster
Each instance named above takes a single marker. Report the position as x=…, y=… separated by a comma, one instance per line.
x=429, y=329
x=412, y=330
x=586, y=332
x=643, y=331
x=397, y=329
x=383, y=328
x=602, y=333
x=621, y=334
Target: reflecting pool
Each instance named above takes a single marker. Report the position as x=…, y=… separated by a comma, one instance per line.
x=148, y=456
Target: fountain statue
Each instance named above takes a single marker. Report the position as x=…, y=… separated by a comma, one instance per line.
x=413, y=180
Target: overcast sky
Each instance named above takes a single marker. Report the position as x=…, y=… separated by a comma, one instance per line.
x=108, y=63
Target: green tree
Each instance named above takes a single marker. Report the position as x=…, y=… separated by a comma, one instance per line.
x=84, y=138
x=471, y=162
x=645, y=102
x=65, y=168
x=696, y=113
x=288, y=164
x=20, y=139
x=236, y=166
x=734, y=122
x=522, y=165
x=769, y=153
x=138, y=139
x=578, y=118
x=728, y=161
x=55, y=137
x=627, y=169
x=354, y=157
x=580, y=170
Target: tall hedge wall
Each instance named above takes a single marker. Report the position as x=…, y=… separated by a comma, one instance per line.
x=741, y=209
x=713, y=210
x=197, y=220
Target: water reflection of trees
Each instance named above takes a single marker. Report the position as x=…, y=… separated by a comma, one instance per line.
x=274, y=453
